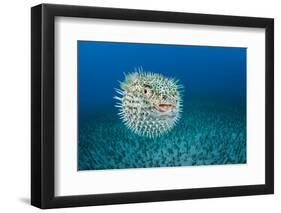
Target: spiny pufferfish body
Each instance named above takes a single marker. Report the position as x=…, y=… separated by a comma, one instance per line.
x=150, y=104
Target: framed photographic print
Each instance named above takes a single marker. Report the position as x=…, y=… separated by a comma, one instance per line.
x=139, y=106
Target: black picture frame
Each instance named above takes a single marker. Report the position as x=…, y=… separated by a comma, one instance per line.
x=43, y=113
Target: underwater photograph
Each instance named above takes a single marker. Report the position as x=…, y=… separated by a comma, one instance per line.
x=160, y=105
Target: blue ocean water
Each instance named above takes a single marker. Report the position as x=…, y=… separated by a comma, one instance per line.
x=212, y=130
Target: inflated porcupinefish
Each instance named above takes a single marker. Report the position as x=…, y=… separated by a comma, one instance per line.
x=150, y=104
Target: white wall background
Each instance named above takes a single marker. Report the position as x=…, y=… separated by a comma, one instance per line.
x=15, y=105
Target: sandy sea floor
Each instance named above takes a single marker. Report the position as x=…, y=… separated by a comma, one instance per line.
x=209, y=133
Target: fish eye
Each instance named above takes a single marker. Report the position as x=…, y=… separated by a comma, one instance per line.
x=146, y=91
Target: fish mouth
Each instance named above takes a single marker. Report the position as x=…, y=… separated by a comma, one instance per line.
x=165, y=107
